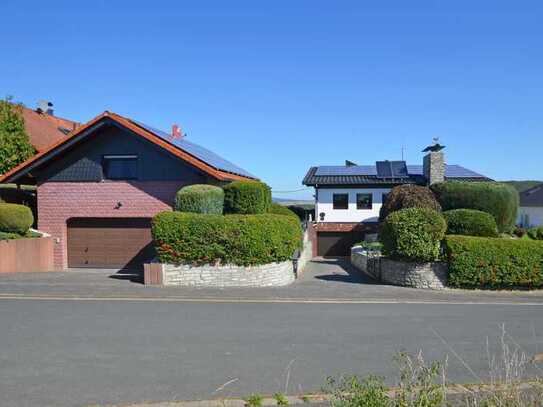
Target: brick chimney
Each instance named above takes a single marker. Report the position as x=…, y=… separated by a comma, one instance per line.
x=433, y=165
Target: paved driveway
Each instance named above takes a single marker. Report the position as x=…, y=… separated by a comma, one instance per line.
x=332, y=280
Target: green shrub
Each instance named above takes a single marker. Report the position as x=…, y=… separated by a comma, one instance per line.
x=247, y=197
x=470, y=222
x=481, y=262
x=535, y=233
x=233, y=239
x=200, y=198
x=277, y=209
x=408, y=196
x=413, y=234
x=500, y=200
x=13, y=236
x=15, y=218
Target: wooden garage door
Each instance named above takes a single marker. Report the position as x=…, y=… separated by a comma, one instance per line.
x=109, y=243
x=337, y=243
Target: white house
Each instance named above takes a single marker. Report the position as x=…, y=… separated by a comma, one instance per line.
x=348, y=197
x=530, y=212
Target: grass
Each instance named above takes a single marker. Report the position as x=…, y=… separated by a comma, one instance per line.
x=254, y=400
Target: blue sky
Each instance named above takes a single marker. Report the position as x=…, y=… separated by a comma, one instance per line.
x=279, y=86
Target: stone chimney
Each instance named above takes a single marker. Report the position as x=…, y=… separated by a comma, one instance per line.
x=433, y=165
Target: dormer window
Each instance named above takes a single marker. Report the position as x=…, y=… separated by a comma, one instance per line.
x=120, y=167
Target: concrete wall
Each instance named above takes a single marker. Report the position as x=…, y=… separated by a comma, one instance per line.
x=324, y=204
x=432, y=275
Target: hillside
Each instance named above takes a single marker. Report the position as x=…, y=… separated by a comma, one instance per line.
x=523, y=185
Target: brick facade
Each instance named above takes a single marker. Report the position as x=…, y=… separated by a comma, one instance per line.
x=346, y=227
x=60, y=201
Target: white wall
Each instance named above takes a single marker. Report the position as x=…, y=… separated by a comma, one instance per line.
x=534, y=216
x=324, y=203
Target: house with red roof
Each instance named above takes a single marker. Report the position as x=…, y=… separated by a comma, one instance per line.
x=99, y=185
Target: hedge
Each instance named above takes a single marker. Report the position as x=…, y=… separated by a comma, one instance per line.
x=408, y=196
x=470, y=222
x=500, y=200
x=282, y=210
x=482, y=262
x=413, y=234
x=200, y=198
x=247, y=197
x=15, y=218
x=245, y=240
x=535, y=233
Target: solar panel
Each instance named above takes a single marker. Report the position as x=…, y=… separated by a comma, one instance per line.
x=198, y=151
x=340, y=170
x=391, y=169
x=398, y=169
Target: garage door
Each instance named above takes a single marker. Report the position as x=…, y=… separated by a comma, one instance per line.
x=109, y=243
x=337, y=243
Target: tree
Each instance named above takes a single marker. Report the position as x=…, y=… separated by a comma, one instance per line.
x=15, y=145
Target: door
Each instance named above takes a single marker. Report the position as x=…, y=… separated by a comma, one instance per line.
x=109, y=242
x=337, y=243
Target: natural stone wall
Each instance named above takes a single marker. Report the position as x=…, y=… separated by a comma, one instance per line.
x=418, y=275
x=305, y=254
x=268, y=275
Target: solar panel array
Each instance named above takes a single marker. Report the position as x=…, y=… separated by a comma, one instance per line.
x=451, y=171
x=203, y=154
x=340, y=170
x=391, y=169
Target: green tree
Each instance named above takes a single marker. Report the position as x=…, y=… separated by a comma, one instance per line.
x=15, y=145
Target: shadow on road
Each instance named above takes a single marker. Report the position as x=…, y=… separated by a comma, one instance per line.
x=350, y=275
x=132, y=275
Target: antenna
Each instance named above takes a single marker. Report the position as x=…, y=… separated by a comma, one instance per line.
x=403, y=149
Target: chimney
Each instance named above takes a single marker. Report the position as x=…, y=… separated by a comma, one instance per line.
x=45, y=107
x=433, y=165
x=176, y=132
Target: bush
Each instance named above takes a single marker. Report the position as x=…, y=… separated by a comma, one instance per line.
x=15, y=218
x=500, y=200
x=470, y=222
x=247, y=197
x=243, y=240
x=519, y=231
x=200, y=198
x=408, y=196
x=480, y=262
x=535, y=233
x=413, y=234
x=277, y=209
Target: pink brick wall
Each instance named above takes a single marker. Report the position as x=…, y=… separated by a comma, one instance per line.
x=60, y=201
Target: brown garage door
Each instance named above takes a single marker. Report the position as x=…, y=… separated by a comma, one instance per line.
x=337, y=243
x=105, y=243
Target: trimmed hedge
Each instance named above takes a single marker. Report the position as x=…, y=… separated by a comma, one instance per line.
x=277, y=209
x=413, y=234
x=200, y=198
x=15, y=218
x=247, y=197
x=470, y=222
x=500, y=200
x=243, y=240
x=408, y=196
x=481, y=262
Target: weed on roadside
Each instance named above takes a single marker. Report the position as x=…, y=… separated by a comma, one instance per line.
x=281, y=399
x=254, y=400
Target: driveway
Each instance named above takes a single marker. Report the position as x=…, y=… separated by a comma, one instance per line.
x=324, y=280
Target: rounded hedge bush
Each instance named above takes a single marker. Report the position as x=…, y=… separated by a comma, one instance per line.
x=247, y=197
x=470, y=222
x=408, y=196
x=15, y=218
x=500, y=200
x=200, y=198
x=243, y=240
x=277, y=209
x=413, y=234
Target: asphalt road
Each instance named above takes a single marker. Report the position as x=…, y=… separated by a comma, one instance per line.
x=76, y=353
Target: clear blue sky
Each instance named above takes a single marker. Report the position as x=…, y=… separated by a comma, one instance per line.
x=279, y=86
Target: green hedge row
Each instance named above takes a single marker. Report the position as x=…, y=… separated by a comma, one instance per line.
x=500, y=200
x=413, y=234
x=200, y=198
x=277, y=209
x=247, y=197
x=470, y=222
x=232, y=239
x=15, y=218
x=479, y=262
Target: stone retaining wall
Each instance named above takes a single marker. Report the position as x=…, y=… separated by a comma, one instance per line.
x=431, y=275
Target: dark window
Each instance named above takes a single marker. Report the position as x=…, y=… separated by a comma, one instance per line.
x=120, y=166
x=384, y=198
x=363, y=201
x=341, y=201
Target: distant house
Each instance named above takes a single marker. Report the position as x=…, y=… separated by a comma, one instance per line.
x=531, y=207
x=99, y=187
x=348, y=197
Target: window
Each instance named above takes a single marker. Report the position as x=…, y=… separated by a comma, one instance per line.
x=341, y=201
x=363, y=201
x=120, y=166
